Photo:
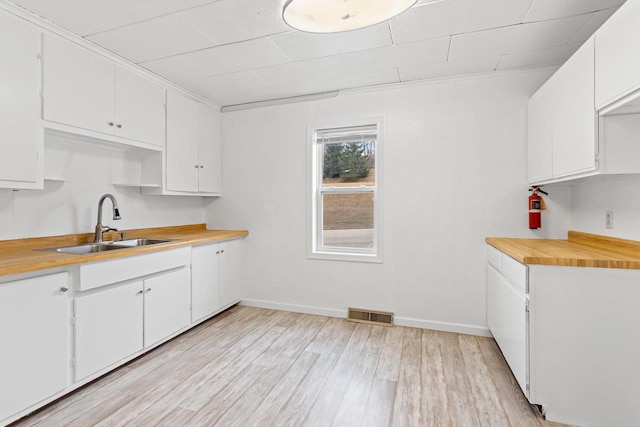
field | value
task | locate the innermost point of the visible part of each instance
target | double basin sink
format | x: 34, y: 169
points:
x: 90, y: 248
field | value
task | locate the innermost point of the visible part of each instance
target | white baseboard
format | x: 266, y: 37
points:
x: 459, y: 328
x: 319, y: 311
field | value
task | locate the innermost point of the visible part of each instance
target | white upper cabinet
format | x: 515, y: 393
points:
x: 574, y: 116
x: 617, y: 59
x: 20, y: 132
x: 562, y: 126
x: 78, y: 87
x: 182, y: 143
x: 84, y: 90
x: 139, y: 112
x: 209, y: 150
x: 539, y: 134
x: 193, y: 147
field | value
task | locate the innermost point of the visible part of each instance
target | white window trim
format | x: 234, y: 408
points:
x: 343, y: 254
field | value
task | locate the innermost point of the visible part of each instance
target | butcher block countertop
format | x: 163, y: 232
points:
x: 22, y: 255
x: 579, y: 250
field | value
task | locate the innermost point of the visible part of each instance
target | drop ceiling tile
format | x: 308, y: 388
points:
x: 154, y: 39
x: 298, y: 45
x: 85, y: 17
x: 227, y: 89
x: 448, y: 17
x: 451, y: 68
x: 398, y: 56
x: 239, y: 56
x: 346, y: 82
x: 516, y: 38
x: 232, y: 21
x: 594, y: 23
x: 299, y: 72
x: 552, y: 9
x: 538, y: 58
x: 176, y: 69
x: 80, y: 17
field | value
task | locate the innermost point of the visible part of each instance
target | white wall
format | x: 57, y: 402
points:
x: 591, y: 200
x: 71, y: 207
x: 455, y: 173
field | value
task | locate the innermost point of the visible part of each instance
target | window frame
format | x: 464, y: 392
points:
x: 314, y: 208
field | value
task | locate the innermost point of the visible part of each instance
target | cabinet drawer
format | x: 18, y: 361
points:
x: 515, y: 273
x: 495, y: 257
x: 103, y: 273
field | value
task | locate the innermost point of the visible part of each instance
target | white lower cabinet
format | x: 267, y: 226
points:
x: 108, y: 327
x: 128, y: 304
x: 231, y: 256
x: 216, y: 281
x: 167, y: 301
x: 59, y: 331
x: 205, y: 281
x: 570, y: 334
x: 508, y: 320
x: 34, y: 341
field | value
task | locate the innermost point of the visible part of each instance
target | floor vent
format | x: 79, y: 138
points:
x: 370, y: 316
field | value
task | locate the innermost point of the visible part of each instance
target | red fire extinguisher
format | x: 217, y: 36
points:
x: 535, y: 208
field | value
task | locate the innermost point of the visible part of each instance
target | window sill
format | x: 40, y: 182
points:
x: 344, y: 256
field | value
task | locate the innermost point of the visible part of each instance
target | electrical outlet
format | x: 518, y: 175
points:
x: 608, y: 219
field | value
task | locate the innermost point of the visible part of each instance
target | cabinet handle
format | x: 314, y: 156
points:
x: 197, y: 166
x: 148, y: 290
x: 139, y: 293
x: 64, y: 289
x: 201, y: 167
x: 110, y: 123
x: 118, y: 125
x: 222, y: 251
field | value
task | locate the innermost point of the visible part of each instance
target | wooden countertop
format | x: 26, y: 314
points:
x: 21, y: 255
x: 579, y: 250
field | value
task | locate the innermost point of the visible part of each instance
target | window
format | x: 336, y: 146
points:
x: 345, y: 202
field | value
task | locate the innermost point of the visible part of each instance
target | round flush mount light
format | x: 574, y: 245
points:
x: 333, y: 16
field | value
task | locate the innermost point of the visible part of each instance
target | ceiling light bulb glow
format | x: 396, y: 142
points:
x: 332, y: 16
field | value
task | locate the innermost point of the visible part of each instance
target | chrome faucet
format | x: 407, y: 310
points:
x: 116, y: 215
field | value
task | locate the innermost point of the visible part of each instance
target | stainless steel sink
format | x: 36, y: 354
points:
x: 90, y: 248
x: 85, y: 249
x: 141, y: 242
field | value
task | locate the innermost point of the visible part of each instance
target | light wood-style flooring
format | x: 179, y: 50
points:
x: 258, y: 367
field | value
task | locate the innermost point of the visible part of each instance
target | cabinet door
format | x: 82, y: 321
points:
x: 108, y: 327
x: 78, y: 87
x: 140, y: 113
x: 34, y: 332
x: 617, y: 60
x: 19, y: 103
x: 574, y: 115
x: 507, y: 319
x: 205, y: 281
x: 182, y: 143
x: 209, y: 150
x: 540, y: 136
x: 231, y: 264
x: 167, y: 302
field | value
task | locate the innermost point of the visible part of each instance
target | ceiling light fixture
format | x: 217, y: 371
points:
x: 333, y: 16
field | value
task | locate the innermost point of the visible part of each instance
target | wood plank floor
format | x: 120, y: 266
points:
x: 258, y: 367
